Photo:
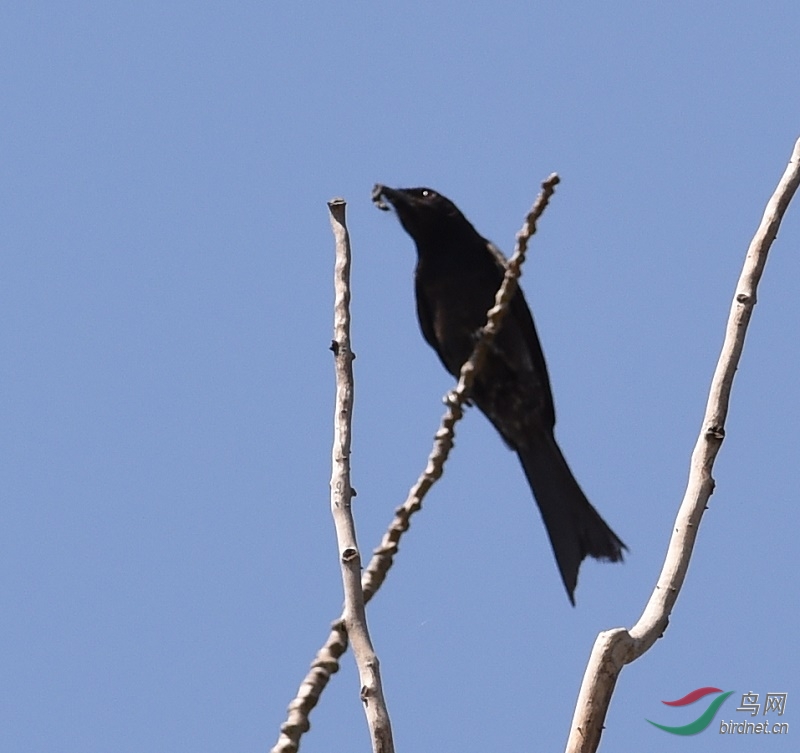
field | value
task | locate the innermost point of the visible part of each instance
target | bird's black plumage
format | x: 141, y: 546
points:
x: 457, y: 276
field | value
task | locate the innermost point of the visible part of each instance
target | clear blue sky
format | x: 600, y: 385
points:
x: 167, y: 559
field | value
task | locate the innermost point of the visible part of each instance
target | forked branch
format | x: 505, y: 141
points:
x: 613, y: 649
x: 326, y: 662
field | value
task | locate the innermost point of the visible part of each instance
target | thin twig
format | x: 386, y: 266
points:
x: 615, y: 648
x: 326, y: 662
x: 354, y: 616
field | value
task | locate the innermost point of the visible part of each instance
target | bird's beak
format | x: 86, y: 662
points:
x: 392, y: 195
x: 379, y: 193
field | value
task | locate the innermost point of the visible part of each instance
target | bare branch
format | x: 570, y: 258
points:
x: 354, y: 616
x: 615, y: 648
x: 326, y: 662
x: 353, y: 622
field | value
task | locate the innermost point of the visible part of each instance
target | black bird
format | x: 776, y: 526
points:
x: 457, y: 276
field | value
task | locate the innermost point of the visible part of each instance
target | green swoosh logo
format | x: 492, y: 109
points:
x: 699, y: 724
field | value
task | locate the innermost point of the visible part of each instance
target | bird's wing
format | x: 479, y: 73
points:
x: 518, y: 339
x: 522, y: 322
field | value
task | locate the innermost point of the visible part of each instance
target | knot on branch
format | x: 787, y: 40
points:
x: 349, y: 554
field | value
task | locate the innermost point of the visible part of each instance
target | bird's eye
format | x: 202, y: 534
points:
x: 427, y: 193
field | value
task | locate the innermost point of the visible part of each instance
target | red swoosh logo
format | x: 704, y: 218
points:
x: 692, y: 697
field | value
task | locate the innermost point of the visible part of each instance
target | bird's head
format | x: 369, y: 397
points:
x: 425, y: 214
